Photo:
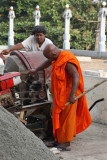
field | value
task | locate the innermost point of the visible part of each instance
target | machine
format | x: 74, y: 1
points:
x: 28, y: 97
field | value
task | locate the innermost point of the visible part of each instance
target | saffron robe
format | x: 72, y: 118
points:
x: 74, y: 118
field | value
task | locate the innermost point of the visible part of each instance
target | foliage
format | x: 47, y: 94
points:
x: 81, y: 30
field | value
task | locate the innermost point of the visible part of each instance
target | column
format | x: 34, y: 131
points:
x: 11, y: 26
x: 37, y: 15
x: 66, y: 37
x: 102, y: 36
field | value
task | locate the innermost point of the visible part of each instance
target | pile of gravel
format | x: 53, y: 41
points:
x: 19, y: 143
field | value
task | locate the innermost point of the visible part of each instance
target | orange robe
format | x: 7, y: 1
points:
x: 72, y: 119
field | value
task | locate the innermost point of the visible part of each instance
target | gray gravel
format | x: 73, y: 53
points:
x: 19, y: 143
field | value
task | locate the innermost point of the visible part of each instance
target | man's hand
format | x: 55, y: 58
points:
x: 32, y: 71
x: 5, y: 52
x: 29, y: 72
x: 72, y: 99
x: 16, y: 47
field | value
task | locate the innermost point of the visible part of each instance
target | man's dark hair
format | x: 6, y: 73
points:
x: 38, y: 29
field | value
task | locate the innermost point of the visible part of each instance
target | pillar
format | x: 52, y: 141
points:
x: 102, y: 36
x: 66, y: 37
x: 11, y: 26
x: 37, y: 15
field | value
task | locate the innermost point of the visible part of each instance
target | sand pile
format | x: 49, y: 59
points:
x: 19, y: 143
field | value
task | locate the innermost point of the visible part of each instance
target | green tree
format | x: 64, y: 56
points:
x: 82, y: 25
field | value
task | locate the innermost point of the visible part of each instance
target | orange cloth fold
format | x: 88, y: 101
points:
x: 74, y: 118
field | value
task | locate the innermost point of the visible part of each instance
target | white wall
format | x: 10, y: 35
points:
x: 99, y: 112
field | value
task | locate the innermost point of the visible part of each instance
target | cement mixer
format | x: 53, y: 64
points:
x: 30, y: 99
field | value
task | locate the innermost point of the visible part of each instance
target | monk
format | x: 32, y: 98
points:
x: 66, y: 84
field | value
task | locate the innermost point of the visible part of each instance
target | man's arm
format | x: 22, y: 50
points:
x: 72, y: 70
x: 44, y: 65
x: 16, y: 47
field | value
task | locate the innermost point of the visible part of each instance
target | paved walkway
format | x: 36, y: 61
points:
x: 88, y: 145
x: 94, y: 64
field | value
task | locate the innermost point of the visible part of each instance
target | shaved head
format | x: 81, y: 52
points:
x: 51, y: 52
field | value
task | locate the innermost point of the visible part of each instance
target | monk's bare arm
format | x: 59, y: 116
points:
x: 44, y: 65
x: 72, y: 70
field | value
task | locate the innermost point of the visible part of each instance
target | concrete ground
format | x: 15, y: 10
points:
x: 88, y: 145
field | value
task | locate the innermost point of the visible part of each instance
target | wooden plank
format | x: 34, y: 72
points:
x: 37, y: 129
x: 22, y: 120
x: 21, y: 114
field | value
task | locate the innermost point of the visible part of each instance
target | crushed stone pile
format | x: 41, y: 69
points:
x: 19, y: 143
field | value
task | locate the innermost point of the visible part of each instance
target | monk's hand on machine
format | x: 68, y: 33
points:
x: 32, y: 72
x: 72, y: 99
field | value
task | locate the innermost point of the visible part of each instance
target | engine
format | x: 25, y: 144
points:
x: 33, y: 88
x: 7, y: 82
